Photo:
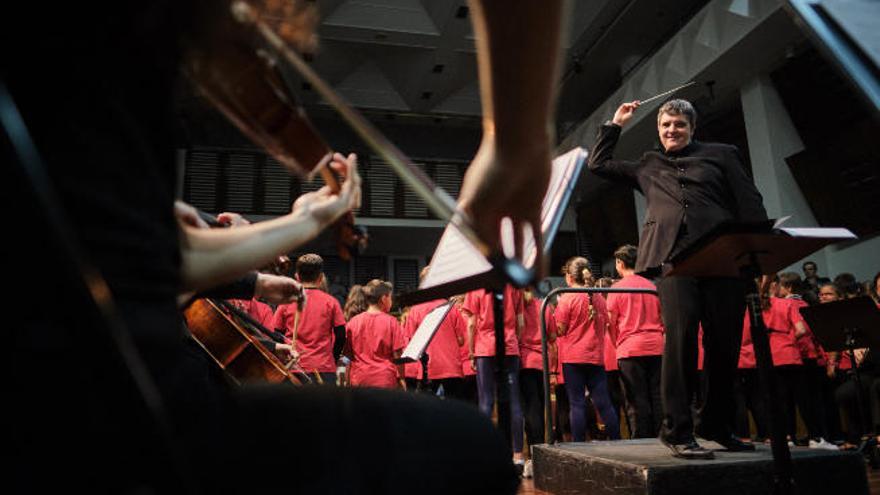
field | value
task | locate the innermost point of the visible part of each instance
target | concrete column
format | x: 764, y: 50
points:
x: 772, y: 137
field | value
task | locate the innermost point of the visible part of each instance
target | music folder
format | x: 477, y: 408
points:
x: 730, y: 247
x: 458, y: 267
x: 423, y: 335
x: 828, y: 322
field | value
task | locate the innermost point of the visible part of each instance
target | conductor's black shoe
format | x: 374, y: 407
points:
x: 733, y: 444
x: 691, y: 450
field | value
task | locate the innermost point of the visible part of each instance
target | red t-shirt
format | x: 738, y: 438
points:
x: 530, y: 341
x: 464, y: 353
x: 747, y: 349
x: 584, y: 339
x: 314, y: 338
x: 373, y: 339
x: 779, y: 320
x: 610, y: 355
x: 635, y: 319
x: 411, y: 370
x: 444, y: 352
x: 479, y: 304
x: 807, y: 343
x: 259, y: 311
x: 701, y: 354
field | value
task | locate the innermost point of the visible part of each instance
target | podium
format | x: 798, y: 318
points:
x: 747, y: 251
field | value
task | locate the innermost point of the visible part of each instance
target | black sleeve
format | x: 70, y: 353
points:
x: 749, y: 203
x: 339, y: 341
x: 602, y: 162
x: 242, y: 288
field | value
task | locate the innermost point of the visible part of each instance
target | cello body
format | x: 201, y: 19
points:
x: 232, y: 347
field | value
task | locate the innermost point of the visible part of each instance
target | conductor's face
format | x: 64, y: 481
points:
x: 675, y: 131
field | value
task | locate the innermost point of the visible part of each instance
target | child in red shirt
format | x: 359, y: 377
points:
x: 637, y: 331
x: 374, y: 339
x: 318, y: 330
x: 478, y: 308
x: 581, y: 320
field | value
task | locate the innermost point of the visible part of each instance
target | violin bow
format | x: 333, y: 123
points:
x: 436, y: 199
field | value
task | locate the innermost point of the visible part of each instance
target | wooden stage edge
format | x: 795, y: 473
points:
x: 647, y: 467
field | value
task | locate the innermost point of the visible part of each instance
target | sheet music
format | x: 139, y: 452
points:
x: 455, y: 258
x: 820, y: 232
x: 779, y: 221
x: 420, y: 340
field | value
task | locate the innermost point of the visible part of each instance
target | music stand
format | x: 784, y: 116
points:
x: 424, y: 334
x: 844, y: 326
x: 457, y: 267
x: 747, y: 251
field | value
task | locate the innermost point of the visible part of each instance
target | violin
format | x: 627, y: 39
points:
x: 241, y: 78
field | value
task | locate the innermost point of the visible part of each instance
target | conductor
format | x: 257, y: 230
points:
x: 690, y: 188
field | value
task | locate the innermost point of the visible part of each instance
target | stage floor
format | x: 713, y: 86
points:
x: 646, y: 467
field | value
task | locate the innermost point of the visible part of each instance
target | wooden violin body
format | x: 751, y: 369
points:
x: 232, y: 347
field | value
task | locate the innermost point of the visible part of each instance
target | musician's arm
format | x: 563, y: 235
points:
x: 338, y: 341
x: 241, y: 288
x: 214, y: 256
x: 518, y: 45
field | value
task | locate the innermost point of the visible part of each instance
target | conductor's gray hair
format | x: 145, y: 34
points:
x: 679, y: 107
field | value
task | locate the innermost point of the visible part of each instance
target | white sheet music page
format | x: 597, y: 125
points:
x: 820, y: 232
x: 425, y: 332
x: 455, y: 257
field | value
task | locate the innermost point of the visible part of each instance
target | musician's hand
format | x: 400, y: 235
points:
x: 510, y: 184
x: 188, y: 215
x: 326, y: 207
x: 625, y: 112
x: 277, y: 289
x: 286, y: 352
x: 232, y: 219
x: 830, y: 370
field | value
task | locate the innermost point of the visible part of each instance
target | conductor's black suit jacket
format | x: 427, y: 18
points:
x: 688, y: 192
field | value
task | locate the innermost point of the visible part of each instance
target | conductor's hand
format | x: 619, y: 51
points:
x: 508, y: 184
x: 276, y: 289
x: 625, y: 112
x: 325, y: 206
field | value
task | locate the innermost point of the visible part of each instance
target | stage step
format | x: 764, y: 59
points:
x: 646, y: 467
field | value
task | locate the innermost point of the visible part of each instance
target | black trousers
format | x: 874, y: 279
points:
x: 719, y: 304
x: 847, y: 398
x: 562, y: 421
x: 748, y: 398
x: 453, y: 388
x: 531, y: 384
x: 641, y: 386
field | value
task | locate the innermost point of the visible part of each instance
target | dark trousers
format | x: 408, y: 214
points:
x: 847, y: 398
x: 580, y: 378
x: 531, y: 383
x: 813, y: 406
x: 469, y: 390
x: 562, y: 419
x: 486, y: 393
x: 453, y: 388
x: 748, y: 398
x: 719, y: 304
x: 641, y: 385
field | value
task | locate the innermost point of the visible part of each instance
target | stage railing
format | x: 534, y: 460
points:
x: 548, y: 416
